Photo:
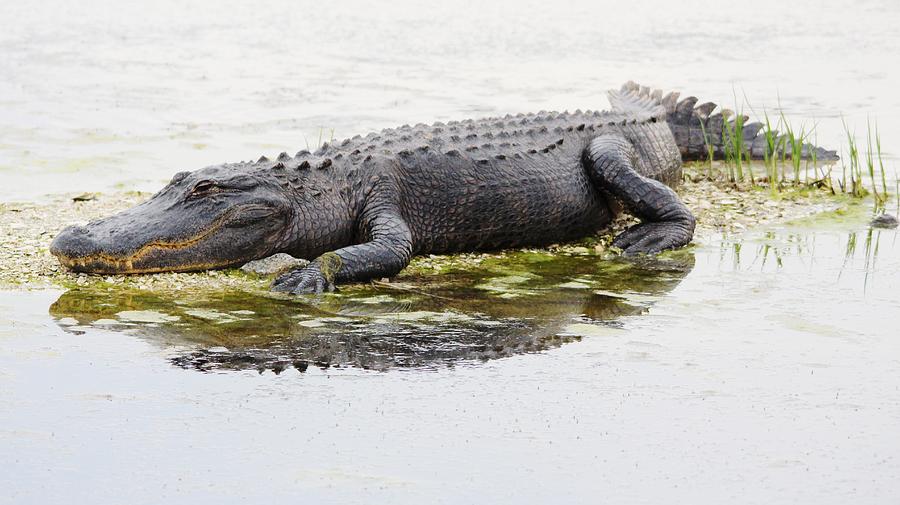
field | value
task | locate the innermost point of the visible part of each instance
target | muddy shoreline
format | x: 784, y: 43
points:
x: 26, y: 230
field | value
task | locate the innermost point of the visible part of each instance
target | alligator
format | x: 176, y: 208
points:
x: 361, y: 208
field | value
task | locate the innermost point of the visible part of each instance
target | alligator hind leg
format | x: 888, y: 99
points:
x: 666, y: 222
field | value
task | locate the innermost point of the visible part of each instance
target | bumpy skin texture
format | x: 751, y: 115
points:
x: 361, y: 208
x: 504, y: 182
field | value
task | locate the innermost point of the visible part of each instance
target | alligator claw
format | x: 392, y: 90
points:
x: 654, y: 237
x: 307, y: 280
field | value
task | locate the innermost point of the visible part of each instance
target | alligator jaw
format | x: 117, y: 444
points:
x: 96, y: 264
x: 79, y: 251
x: 108, y: 265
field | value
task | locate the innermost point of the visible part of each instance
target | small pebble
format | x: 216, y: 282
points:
x: 884, y: 221
x: 274, y: 264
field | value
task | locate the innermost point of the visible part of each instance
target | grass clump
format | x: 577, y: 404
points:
x: 854, y: 161
x: 791, y: 159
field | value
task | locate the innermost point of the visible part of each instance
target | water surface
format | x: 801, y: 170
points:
x: 101, y: 95
x: 759, y: 367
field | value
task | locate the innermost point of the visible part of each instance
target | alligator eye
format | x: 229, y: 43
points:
x: 204, y: 188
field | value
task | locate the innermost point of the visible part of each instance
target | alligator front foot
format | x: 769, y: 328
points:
x: 654, y: 237
x: 306, y: 280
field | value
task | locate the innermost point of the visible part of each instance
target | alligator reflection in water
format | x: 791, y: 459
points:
x: 523, y: 302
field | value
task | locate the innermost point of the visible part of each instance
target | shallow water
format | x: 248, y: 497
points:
x: 525, y: 302
x: 753, y: 368
x: 750, y: 368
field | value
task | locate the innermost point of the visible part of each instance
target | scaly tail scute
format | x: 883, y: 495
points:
x: 696, y: 128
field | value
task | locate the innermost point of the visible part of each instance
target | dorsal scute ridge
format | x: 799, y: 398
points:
x: 641, y: 102
x: 633, y: 104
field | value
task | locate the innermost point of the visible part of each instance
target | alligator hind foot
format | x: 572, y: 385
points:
x: 653, y: 237
x: 666, y: 221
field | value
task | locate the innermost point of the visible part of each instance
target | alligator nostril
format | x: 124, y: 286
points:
x: 73, y: 241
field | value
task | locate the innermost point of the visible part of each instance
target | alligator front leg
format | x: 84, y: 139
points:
x: 666, y: 221
x: 387, y: 251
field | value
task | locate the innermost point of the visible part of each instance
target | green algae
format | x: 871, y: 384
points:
x: 591, y: 330
x: 509, y: 285
x: 848, y: 214
x: 330, y: 265
x: 145, y: 316
x: 311, y: 323
x: 212, y: 315
x: 375, y: 299
x: 575, y: 284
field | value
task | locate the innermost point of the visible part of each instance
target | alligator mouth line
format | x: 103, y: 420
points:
x: 125, y: 265
x: 106, y: 266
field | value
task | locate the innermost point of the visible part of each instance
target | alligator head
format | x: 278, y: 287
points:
x: 215, y: 217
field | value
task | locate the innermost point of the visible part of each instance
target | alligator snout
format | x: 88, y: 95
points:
x: 79, y: 250
x: 74, y: 247
x: 73, y: 242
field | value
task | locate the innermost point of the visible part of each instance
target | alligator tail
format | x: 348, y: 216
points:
x: 699, y: 132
